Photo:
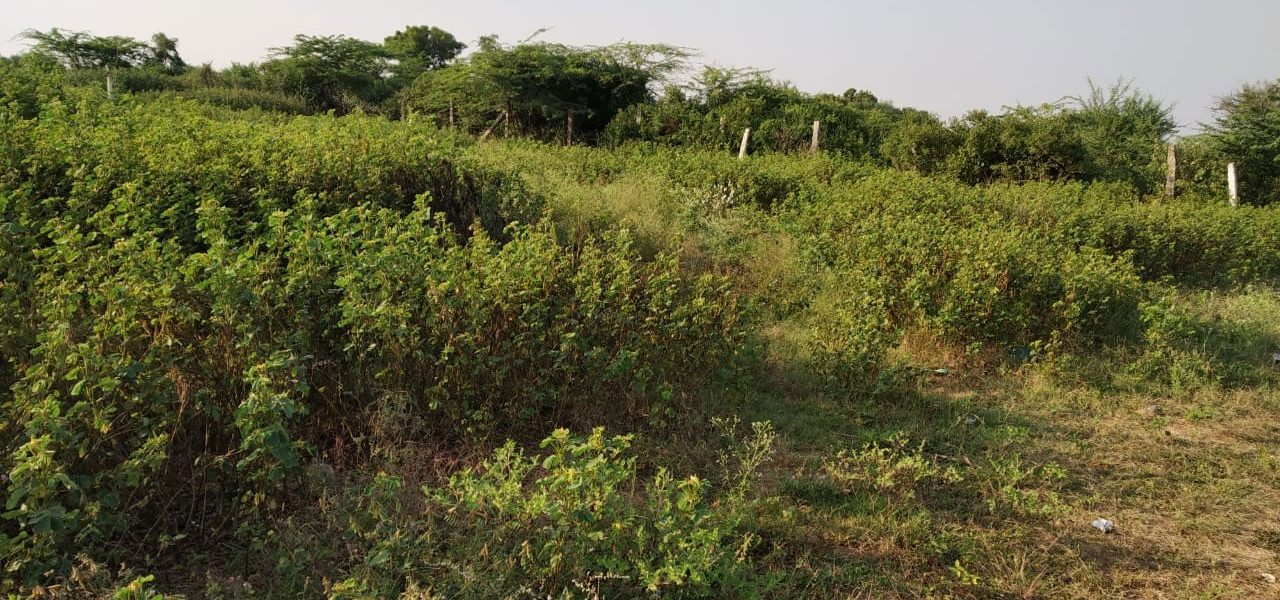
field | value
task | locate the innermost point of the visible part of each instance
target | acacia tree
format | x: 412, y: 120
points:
x: 164, y: 53
x: 419, y: 48
x: 81, y: 50
x: 535, y: 87
x: 333, y: 72
x: 1124, y: 132
x: 1246, y: 130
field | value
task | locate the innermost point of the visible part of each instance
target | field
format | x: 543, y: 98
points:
x: 245, y: 354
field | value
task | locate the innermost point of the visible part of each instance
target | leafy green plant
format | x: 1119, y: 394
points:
x: 1015, y: 487
x: 213, y: 297
x: 575, y: 521
x: 892, y: 467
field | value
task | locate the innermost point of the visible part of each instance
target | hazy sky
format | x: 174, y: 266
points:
x: 946, y: 56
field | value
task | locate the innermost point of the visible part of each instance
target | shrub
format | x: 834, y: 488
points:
x: 851, y: 333
x: 175, y: 154
x: 249, y: 99
x: 947, y: 262
x: 484, y: 332
x: 1192, y: 240
x: 142, y: 362
x: 1194, y: 243
x: 26, y: 84
x: 576, y: 521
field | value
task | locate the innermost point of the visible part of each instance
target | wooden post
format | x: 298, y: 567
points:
x: 1232, y: 187
x: 1171, y: 176
x: 813, y: 144
x: 569, y: 130
x: 742, y: 149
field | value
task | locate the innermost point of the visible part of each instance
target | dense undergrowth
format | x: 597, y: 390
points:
x: 257, y: 354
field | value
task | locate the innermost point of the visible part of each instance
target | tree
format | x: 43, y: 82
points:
x: 164, y: 53
x: 420, y: 48
x: 535, y: 87
x: 860, y: 98
x: 1246, y: 130
x: 81, y: 50
x: 714, y: 108
x: 719, y: 85
x: 1124, y: 133
x: 919, y: 143
x: 332, y: 72
x: 1021, y: 144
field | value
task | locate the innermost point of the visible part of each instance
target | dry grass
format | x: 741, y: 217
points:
x: 1190, y: 476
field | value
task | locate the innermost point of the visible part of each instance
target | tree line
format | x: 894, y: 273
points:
x: 628, y: 92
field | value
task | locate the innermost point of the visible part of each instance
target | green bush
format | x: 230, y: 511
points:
x: 526, y: 328
x: 190, y: 294
x: 26, y: 84
x: 1191, y: 242
x: 948, y: 262
x: 178, y: 153
x: 851, y: 332
x: 138, y: 346
x: 578, y: 521
x: 248, y: 99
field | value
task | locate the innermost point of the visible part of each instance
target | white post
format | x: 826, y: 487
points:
x: 1232, y: 186
x: 742, y: 149
x: 110, y: 88
x: 813, y: 145
x: 1171, y: 177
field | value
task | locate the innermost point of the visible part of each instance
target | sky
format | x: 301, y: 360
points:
x: 945, y: 56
